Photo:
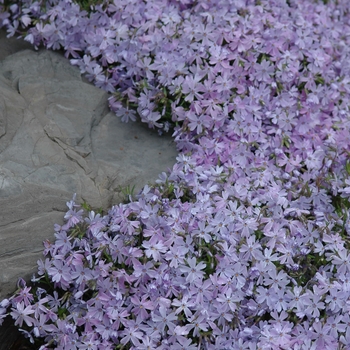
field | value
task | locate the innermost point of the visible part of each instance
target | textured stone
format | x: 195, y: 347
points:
x: 57, y: 138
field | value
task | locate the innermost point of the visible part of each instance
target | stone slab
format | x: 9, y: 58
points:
x: 57, y: 138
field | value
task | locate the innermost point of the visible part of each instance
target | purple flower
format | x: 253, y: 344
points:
x: 140, y: 307
x: 263, y: 71
x: 60, y: 272
x: 184, y: 305
x: 229, y: 300
x: 193, y: 271
x: 154, y: 247
x: 258, y: 97
x: 21, y: 314
x: 192, y: 87
x: 312, y: 304
x: 203, y: 232
x: 341, y: 260
x: 164, y: 319
x: 276, y: 280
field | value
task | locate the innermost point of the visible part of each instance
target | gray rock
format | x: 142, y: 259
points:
x: 57, y: 138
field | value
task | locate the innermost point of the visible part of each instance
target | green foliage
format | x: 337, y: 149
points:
x: 86, y: 4
x: 87, y: 207
x: 128, y: 192
x: 347, y: 167
x: 342, y: 208
x: 79, y: 230
x: 309, y: 265
x: 319, y: 79
x: 263, y: 57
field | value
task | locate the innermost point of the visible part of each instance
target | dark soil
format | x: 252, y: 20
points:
x: 11, y: 338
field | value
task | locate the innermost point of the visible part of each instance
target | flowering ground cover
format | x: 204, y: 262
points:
x: 245, y: 243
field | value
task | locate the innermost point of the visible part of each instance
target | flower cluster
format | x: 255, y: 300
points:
x: 244, y: 244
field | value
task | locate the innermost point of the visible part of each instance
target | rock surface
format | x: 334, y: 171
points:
x: 57, y: 138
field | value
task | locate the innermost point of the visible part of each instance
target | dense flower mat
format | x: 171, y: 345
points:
x: 244, y: 244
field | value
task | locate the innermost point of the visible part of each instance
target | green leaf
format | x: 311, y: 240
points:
x: 347, y: 167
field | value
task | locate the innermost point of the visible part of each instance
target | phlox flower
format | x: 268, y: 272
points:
x: 178, y: 333
x: 336, y: 299
x: 193, y: 270
x: 105, y: 83
x: 222, y: 315
x: 26, y: 20
x: 282, y: 336
x: 223, y: 82
x: 131, y: 333
x: 263, y: 71
x: 198, y: 324
x: 192, y: 87
x: 81, y: 274
x: 3, y: 314
x: 281, y: 300
x: 336, y: 326
x: 341, y: 260
x: 312, y: 304
x: 152, y: 120
x: 148, y: 343
x: 63, y: 241
x: 251, y: 248
x: 195, y: 122
x: 229, y: 300
x: 73, y: 217
x: 276, y: 280
x: 154, y: 247
x: 202, y: 291
x: 41, y: 326
x: 140, y: 306
x: 323, y: 340
x: 165, y: 319
x: 85, y: 343
x: 60, y: 272
x: 176, y: 255
x: 24, y: 295
x: 106, y: 328
x: 203, y: 231
x: 40, y: 307
x: 184, y: 305
x: 143, y: 270
x: 247, y: 226
x: 346, y: 189
x: 286, y: 254
x: 107, y: 37
x: 118, y: 314
x: 20, y: 314
x: 268, y: 257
